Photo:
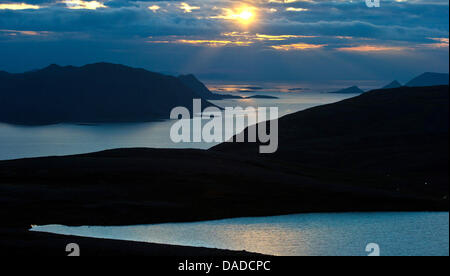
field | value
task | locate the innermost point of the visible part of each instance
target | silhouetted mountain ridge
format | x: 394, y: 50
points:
x: 349, y: 90
x: 429, y: 79
x: 423, y: 80
x: 93, y: 93
x: 400, y: 132
x: 393, y: 84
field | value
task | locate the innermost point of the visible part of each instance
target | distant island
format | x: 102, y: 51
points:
x: 424, y: 80
x: 261, y: 97
x: 349, y: 90
x: 95, y: 93
x: 429, y: 79
x: 298, y: 89
x: 393, y: 84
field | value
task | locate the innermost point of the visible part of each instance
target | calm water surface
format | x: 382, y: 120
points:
x: 63, y: 139
x: 405, y: 234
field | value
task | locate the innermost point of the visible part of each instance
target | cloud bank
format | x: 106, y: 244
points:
x: 229, y: 39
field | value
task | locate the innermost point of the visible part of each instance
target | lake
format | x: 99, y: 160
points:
x: 65, y: 139
x: 338, y: 234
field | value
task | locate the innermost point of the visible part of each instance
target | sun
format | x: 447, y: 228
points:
x: 244, y: 15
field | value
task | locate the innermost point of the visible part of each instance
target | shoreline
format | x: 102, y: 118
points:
x: 16, y: 241
x: 20, y: 242
x: 49, y: 242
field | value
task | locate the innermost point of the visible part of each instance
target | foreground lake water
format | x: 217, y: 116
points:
x: 343, y: 234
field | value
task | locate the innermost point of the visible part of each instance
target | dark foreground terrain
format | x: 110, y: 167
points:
x: 386, y: 150
x: 397, y: 137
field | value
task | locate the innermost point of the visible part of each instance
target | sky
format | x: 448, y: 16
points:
x: 229, y: 40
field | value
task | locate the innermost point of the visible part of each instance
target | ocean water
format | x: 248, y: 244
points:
x: 340, y: 234
x: 64, y: 139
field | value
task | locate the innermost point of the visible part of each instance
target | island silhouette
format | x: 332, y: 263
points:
x: 94, y: 93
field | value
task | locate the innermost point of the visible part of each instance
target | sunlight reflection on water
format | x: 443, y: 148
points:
x: 294, y: 235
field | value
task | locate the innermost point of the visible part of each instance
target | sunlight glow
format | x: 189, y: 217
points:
x: 27, y: 33
x: 441, y: 43
x: 188, y: 8
x: 18, y: 6
x: 244, y: 15
x: 214, y: 43
x: 371, y: 48
x: 83, y: 5
x: 298, y: 47
x: 154, y: 8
